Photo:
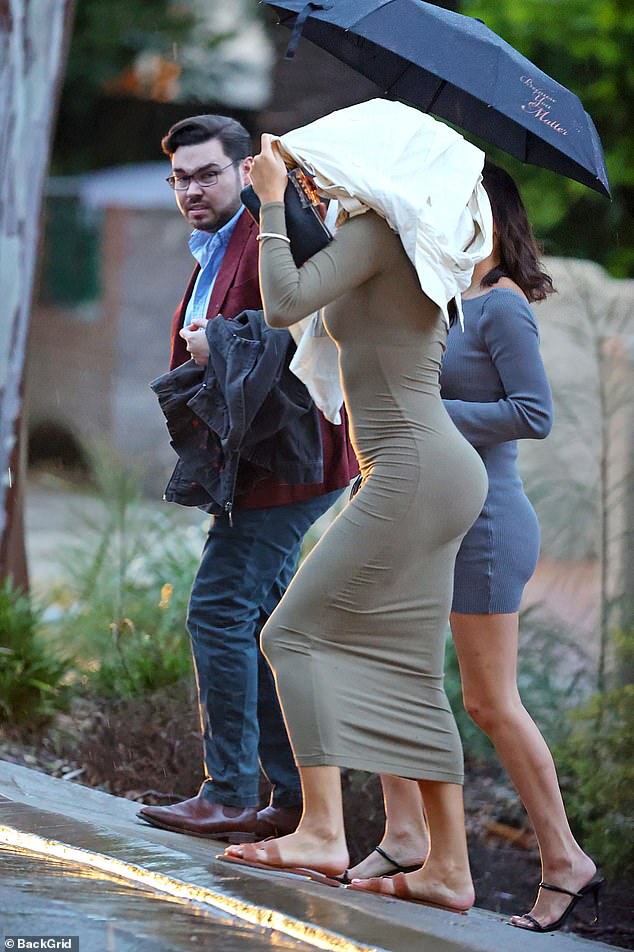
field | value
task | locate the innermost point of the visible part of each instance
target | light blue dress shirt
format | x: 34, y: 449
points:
x: 208, y: 248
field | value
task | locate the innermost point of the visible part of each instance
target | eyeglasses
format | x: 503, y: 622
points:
x: 203, y: 177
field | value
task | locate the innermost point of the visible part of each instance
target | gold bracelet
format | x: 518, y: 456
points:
x: 272, y: 234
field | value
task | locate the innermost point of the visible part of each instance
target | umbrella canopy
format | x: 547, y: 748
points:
x: 458, y: 69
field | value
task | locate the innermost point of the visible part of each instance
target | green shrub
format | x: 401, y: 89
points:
x: 139, y: 663
x: 596, y: 764
x: 31, y: 676
x: 128, y: 583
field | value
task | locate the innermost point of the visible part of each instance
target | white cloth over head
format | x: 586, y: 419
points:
x: 417, y: 173
x: 424, y: 178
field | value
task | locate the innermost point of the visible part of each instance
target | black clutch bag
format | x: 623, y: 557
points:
x: 304, y: 225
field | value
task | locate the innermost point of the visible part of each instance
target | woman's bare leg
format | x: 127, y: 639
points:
x: 319, y: 841
x: 486, y: 646
x: 405, y: 837
x: 445, y: 879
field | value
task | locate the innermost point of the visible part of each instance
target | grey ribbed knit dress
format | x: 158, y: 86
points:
x: 495, y: 389
x: 357, y: 642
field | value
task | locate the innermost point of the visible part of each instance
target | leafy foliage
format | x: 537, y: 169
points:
x: 31, y: 676
x: 597, y: 766
x: 128, y: 584
x: 588, y: 47
x: 127, y: 49
x: 107, y: 37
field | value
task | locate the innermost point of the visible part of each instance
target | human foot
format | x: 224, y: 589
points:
x: 558, y: 894
x: 384, y: 862
x: 298, y: 850
x: 456, y: 896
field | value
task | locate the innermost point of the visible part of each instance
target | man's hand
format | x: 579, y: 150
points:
x: 196, y: 339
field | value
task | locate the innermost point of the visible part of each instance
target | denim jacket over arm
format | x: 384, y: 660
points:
x: 243, y: 416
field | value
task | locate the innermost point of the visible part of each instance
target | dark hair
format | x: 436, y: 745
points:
x: 234, y: 138
x: 519, y: 251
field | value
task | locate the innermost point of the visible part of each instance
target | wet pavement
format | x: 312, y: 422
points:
x: 42, y: 896
x: 141, y: 887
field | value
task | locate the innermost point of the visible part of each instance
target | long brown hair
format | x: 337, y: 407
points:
x: 519, y: 251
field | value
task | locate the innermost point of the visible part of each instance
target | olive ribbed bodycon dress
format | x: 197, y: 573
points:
x: 357, y: 642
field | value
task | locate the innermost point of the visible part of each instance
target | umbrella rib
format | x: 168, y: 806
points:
x: 431, y: 104
x: 441, y: 87
x: 366, y: 16
x: 398, y: 78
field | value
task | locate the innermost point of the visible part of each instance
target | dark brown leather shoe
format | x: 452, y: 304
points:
x: 201, y: 817
x: 277, y: 821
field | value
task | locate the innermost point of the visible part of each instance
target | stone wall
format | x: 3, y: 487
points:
x: 89, y: 366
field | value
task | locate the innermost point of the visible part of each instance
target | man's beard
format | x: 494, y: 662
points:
x: 213, y: 226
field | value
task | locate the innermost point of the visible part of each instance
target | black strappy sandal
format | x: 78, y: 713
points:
x: 590, y: 889
x: 345, y: 879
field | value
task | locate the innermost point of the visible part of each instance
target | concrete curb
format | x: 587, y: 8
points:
x: 180, y: 889
x: 96, y: 830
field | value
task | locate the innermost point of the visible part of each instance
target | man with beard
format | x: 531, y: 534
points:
x: 250, y: 554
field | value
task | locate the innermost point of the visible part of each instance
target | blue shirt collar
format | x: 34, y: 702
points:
x: 203, y: 244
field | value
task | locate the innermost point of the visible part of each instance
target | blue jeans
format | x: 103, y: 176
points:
x: 244, y: 571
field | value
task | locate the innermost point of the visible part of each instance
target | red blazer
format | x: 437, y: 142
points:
x: 237, y: 288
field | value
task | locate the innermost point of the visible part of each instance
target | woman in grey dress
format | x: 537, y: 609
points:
x: 495, y: 389
x: 357, y: 644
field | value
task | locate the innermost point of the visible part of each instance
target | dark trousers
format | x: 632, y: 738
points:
x: 244, y: 571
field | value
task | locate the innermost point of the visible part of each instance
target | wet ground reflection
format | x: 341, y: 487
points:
x: 45, y: 896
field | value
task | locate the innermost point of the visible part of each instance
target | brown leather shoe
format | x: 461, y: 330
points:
x: 277, y: 821
x: 201, y: 817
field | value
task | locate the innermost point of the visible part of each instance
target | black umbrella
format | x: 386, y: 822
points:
x: 458, y: 69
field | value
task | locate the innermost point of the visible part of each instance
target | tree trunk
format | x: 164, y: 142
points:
x: 33, y: 42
